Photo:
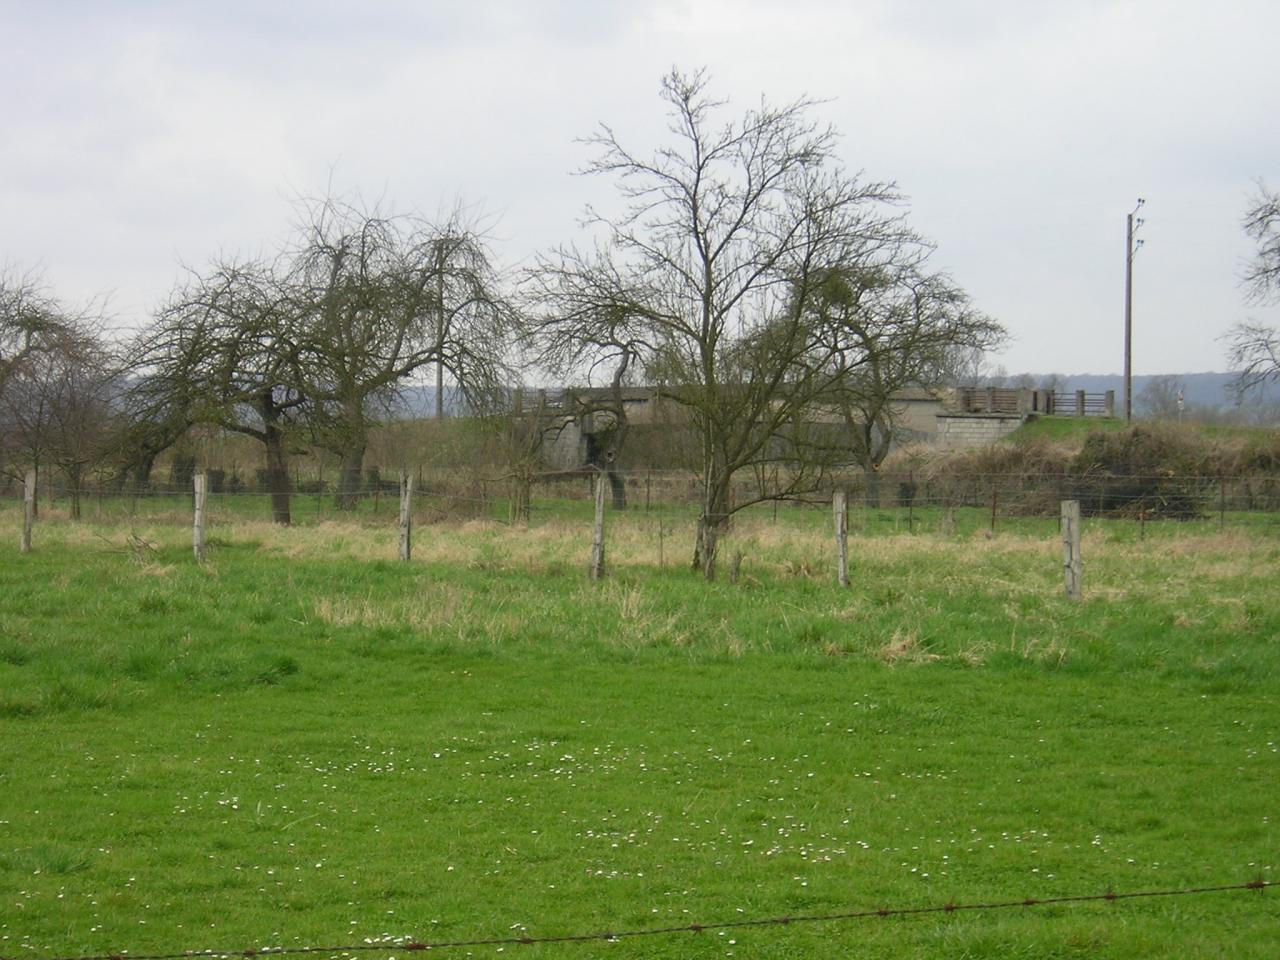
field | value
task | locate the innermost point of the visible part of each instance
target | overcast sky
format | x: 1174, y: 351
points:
x: 141, y: 135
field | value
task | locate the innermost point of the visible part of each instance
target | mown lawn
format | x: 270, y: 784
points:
x: 305, y: 742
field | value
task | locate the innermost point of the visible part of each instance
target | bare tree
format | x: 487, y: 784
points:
x: 972, y: 367
x: 225, y: 351
x: 25, y: 416
x: 57, y: 381
x: 521, y: 435
x: 378, y: 299
x: 60, y: 409
x: 1162, y: 398
x: 1253, y: 353
x: 1253, y: 349
x: 323, y: 338
x: 708, y: 266
x: 603, y: 344
x: 1262, y: 224
x: 82, y: 386
x: 29, y: 318
x: 886, y: 330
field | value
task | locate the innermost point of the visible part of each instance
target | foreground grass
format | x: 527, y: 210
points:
x: 304, y: 742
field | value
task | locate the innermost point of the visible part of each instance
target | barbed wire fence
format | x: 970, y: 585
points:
x: 666, y: 504
x: 613, y: 936
x: 460, y: 492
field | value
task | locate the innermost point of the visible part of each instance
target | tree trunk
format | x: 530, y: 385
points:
x: 710, y: 544
x: 278, y: 477
x: 142, y: 468
x: 521, y: 497
x: 712, y: 522
x: 872, y: 476
x: 347, y: 496
x: 618, y: 487
x: 272, y: 438
x: 354, y: 441
x: 74, y: 491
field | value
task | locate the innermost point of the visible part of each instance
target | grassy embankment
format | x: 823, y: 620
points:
x: 305, y: 742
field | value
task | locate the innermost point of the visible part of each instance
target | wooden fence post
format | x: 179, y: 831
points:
x: 735, y: 567
x: 406, y: 514
x: 947, y: 527
x: 840, y: 507
x: 28, y: 509
x: 1072, y: 562
x: 201, y: 481
x: 911, y: 501
x: 597, y: 532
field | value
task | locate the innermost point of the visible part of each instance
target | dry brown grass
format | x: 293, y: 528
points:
x: 1169, y: 569
x: 904, y: 647
x: 441, y: 605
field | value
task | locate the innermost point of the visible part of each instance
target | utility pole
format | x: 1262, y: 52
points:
x: 440, y: 265
x: 1130, y: 248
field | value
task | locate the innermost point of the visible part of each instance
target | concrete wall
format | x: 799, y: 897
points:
x: 956, y: 431
x: 918, y: 416
x: 920, y: 419
x: 562, y: 447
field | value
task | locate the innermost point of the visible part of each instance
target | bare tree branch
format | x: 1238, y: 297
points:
x: 704, y: 284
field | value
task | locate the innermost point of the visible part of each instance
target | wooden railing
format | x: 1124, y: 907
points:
x: 1022, y: 401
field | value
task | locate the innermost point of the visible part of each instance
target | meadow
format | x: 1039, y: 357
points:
x: 303, y: 741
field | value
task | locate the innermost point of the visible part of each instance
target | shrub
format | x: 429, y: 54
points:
x: 1159, y: 471
x: 1028, y: 476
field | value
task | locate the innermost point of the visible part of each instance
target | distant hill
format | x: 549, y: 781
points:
x: 1211, y: 390
x: 419, y: 400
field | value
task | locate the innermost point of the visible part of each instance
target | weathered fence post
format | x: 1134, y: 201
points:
x: 948, y: 525
x: 28, y: 509
x: 840, y: 507
x: 201, y: 481
x: 406, y: 514
x: 1072, y: 562
x: 911, y: 501
x: 597, y: 532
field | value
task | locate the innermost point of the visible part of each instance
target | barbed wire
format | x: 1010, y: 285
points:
x: 413, y: 945
x: 957, y: 494
x: 388, y: 480
x: 1244, y: 500
x: 1032, y: 505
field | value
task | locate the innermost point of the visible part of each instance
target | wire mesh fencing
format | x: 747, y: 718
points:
x: 890, y: 503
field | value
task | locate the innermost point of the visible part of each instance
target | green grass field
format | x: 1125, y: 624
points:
x: 306, y: 742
